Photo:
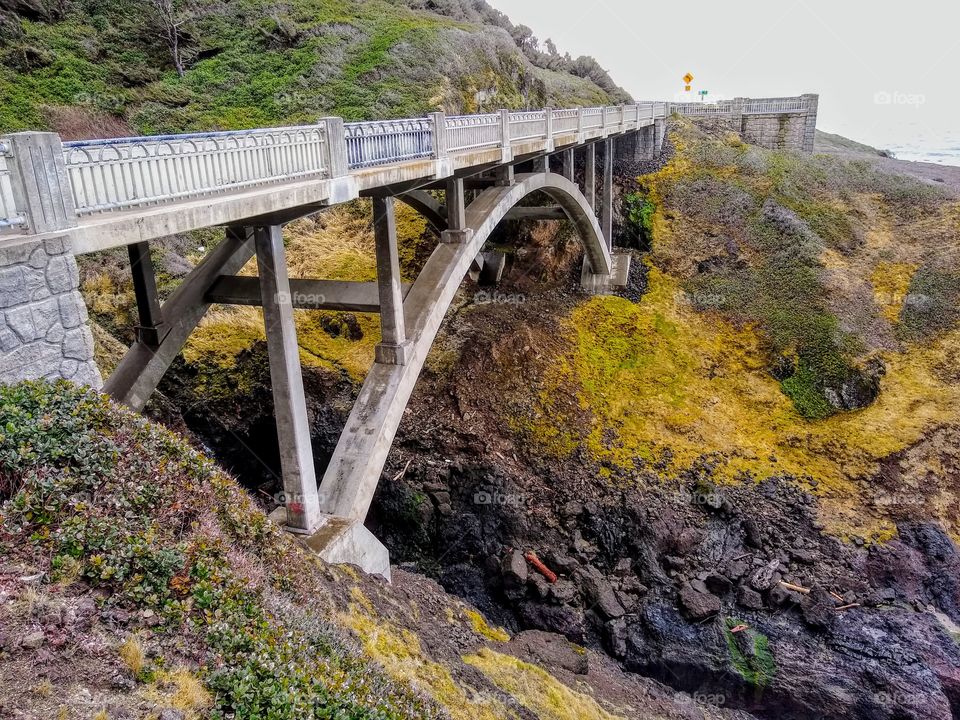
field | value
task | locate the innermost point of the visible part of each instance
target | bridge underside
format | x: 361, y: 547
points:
x: 330, y: 513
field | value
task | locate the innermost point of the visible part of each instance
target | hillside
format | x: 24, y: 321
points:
x: 138, y: 580
x: 87, y: 68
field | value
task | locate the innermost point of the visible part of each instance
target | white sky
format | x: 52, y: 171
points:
x: 848, y: 51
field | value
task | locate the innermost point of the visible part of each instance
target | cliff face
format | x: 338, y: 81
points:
x: 92, y: 69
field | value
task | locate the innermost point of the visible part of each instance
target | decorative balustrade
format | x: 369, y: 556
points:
x: 99, y: 176
x: 472, y: 132
x: 774, y: 105
x: 565, y: 121
x: 528, y: 125
x: 592, y: 118
x: 387, y: 141
x: 109, y: 175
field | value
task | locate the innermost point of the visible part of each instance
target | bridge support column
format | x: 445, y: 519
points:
x: 393, y: 346
x: 541, y: 164
x: 590, y: 174
x: 456, y: 231
x: 289, y: 401
x: 606, y: 208
x: 152, y: 329
x: 568, y: 164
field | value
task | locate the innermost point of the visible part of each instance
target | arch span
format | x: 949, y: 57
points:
x: 351, y: 477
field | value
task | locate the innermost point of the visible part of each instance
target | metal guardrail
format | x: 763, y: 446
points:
x: 110, y: 175
x: 10, y: 218
x: 385, y: 141
x: 103, y: 176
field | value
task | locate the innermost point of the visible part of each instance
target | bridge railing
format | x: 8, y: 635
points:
x: 528, y: 125
x: 565, y: 121
x: 101, y: 176
x: 124, y: 173
x: 472, y: 132
x: 774, y: 105
x: 385, y: 141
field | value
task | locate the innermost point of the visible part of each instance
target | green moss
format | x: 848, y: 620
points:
x: 806, y: 392
x: 750, y: 654
x: 639, y: 211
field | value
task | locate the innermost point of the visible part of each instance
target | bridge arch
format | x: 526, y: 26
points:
x: 353, y: 473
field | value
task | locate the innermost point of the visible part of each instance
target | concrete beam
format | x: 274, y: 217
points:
x: 286, y: 379
x: 139, y: 372
x: 606, y: 207
x: 152, y: 329
x: 568, y: 164
x: 305, y: 294
x: 393, y: 346
x: 590, y: 174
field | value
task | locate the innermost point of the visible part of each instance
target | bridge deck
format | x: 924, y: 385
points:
x: 110, y: 193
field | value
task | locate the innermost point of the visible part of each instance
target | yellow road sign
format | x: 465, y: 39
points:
x: 687, y: 88
x: 687, y: 79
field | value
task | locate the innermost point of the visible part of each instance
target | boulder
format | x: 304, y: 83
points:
x: 698, y: 605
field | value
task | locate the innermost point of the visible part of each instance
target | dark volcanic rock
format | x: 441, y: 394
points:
x: 697, y: 604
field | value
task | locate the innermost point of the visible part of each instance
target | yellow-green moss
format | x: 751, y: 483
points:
x: 537, y: 690
x: 400, y: 653
x: 482, y: 627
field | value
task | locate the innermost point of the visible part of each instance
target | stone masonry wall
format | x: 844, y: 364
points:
x: 775, y: 132
x: 43, y: 320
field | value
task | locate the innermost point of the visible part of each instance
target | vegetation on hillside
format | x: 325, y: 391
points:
x: 89, y: 68
x: 801, y: 318
x: 100, y: 496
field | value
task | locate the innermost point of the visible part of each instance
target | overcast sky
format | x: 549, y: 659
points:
x: 886, y: 72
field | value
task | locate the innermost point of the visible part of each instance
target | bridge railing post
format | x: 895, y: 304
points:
x: 438, y: 124
x: 40, y: 186
x: 506, y: 154
x: 603, y: 124
x: 579, y: 124
x: 548, y: 128
x: 335, y: 162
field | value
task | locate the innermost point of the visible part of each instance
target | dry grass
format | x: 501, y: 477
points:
x: 133, y: 654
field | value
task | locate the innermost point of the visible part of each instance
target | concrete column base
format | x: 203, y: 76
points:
x: 456, y: 236
x: 392, y: 354
x: 605, y: 284
x: 342, y: 541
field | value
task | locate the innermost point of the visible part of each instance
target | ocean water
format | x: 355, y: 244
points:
x: 942, y: 148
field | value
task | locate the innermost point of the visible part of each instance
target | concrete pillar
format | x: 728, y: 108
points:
x: 336, y: 147
x: 38, y: 180
x: 504, y: 176
x: 606, y: 209
x: 541, y: 164
x: 393, y: 346
x: 152, y: 329
x: 438, y: 123
x: 506, y: 147
x: 590, y: 174
x: 289, y: 402
x: 811, y: 103
x: 456, y: 204
x: 568, y: 164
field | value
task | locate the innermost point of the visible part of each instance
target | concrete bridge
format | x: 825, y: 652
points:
x: 60, y: 199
